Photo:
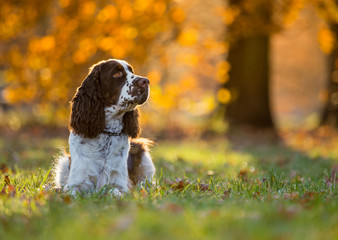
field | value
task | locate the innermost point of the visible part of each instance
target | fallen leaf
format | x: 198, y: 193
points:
x: 204, y: 187
x: 256, y: 194
x: 67, y: 199
x: 143, y: 192
x: 243, y: 175
x: 7, y: 180
x: 291, y: 196
x: 11, y: 190
x: 307, y: 197
x: 178, y: 184
x: 259, y: 182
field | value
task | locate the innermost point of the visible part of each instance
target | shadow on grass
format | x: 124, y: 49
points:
x: 252, y: 155
x: 233, y: 157
x: 29, y: 150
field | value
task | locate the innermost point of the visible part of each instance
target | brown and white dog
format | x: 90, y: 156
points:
x: 103, y: 144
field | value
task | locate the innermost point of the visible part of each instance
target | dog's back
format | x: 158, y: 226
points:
x: 140, y: 164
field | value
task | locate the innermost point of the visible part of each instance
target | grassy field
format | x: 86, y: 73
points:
x: 215, y: 189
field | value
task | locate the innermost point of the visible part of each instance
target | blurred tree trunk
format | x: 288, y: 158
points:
x: 330, y: 113
x: 249, y: 82
x: 249, y: 75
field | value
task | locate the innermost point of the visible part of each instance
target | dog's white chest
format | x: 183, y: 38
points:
x: 104, y: 158
x: 115, y: 151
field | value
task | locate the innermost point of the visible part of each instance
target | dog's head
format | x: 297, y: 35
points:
x: 120, y: 85
x: 109, y: 83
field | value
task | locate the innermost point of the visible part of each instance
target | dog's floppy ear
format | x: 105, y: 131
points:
x: 130, y: 124
x: 87, y: 117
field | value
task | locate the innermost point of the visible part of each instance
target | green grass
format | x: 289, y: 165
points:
x: 203, y: 190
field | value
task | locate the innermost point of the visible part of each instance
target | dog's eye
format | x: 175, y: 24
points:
x: 118, y: 74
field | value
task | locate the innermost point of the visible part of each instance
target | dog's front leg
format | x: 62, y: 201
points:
x: 119, y: 178
x: 80, y: 180
x: 84, y: 169
x: 116, y: 163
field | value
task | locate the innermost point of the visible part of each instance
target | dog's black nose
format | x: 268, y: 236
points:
x: 142, y: 82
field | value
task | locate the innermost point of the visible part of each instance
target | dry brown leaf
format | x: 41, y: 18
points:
x: 307, y: 198
x: 243, y: 175
x: 204, y: 187
x: 259, y: 182
x: 67, y: 199
x: 11, y: 190
x: 291, y: 196
x: 143, y: 192
x: 178, y: 184
x: 7, y: 180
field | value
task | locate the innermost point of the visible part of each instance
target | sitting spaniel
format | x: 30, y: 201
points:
x: 103, y: 144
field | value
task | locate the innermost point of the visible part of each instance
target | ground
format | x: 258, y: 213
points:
x: 224, y: 188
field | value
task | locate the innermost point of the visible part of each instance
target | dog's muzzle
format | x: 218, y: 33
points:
x: 142, y: 86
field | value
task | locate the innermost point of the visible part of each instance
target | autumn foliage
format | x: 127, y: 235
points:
x: 49, y: 45
x: 181, y: 46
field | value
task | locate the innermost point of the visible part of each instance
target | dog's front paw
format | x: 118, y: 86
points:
x: 72, y: 191
x: 115, y: 192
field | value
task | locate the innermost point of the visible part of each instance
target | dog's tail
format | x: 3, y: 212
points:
x: 61, y: 169
x: 140, y: 164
